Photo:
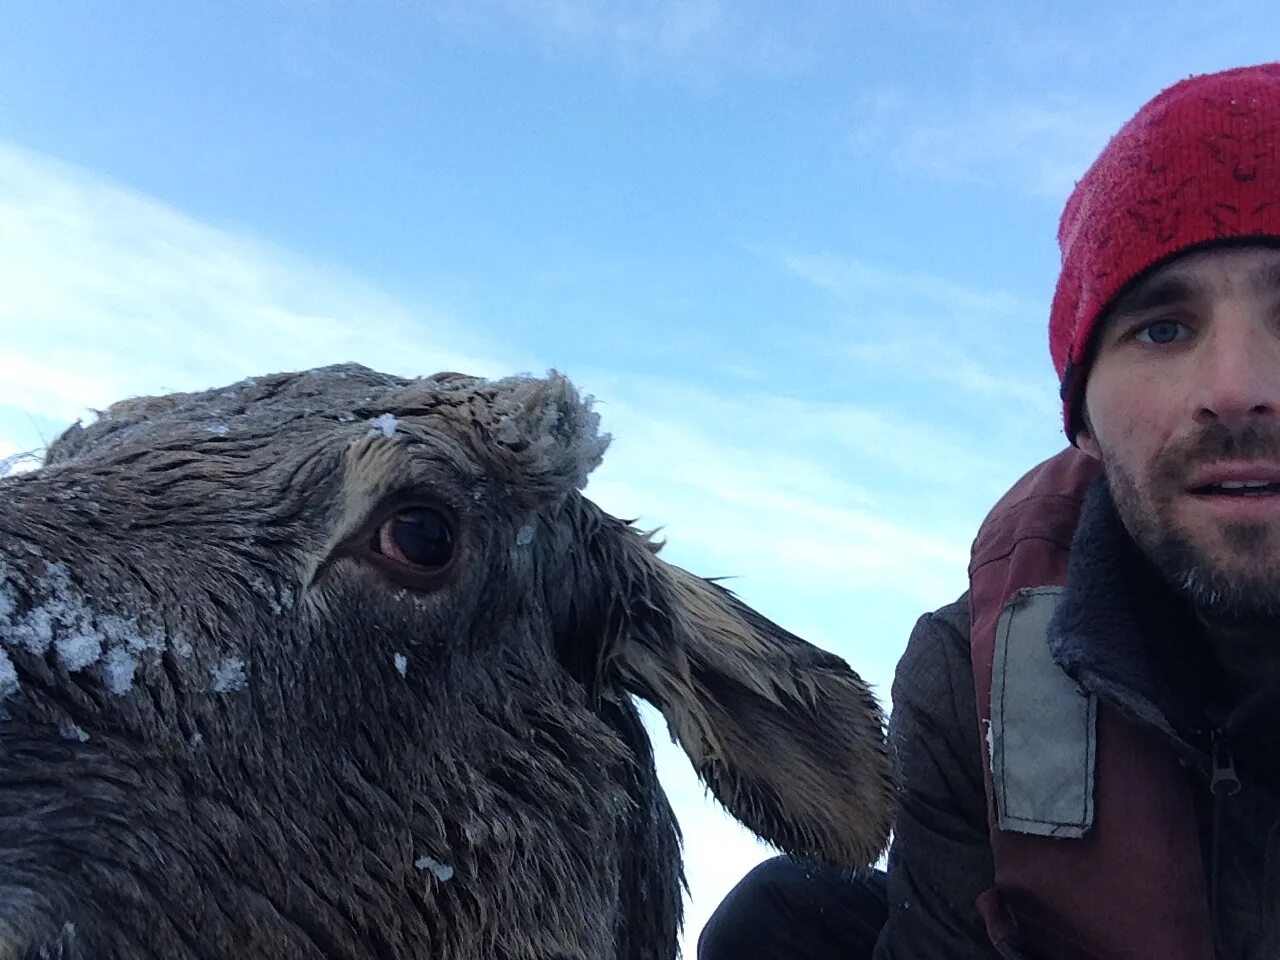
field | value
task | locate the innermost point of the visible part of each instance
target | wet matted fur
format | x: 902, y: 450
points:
x: 235, y: 727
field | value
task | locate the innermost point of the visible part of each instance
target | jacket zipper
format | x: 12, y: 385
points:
x: 1222, y: 784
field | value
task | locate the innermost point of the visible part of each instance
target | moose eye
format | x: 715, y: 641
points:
x: 419, y: 537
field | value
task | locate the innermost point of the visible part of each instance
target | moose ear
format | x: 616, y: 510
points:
x: 784, y: 734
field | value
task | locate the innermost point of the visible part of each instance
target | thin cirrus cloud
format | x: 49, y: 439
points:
x: 924, y: 359
x: 1037, y: 146
x: 853, y: 278
x: 110, y: 294
x: 669, y: 35
x: 927, y: 329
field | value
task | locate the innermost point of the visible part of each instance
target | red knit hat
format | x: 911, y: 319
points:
x: 1199, y: 163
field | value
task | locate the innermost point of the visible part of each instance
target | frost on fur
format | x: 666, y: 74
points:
x: 343, y: 662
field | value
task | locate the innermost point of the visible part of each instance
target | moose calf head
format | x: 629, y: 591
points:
x: 337, y: 664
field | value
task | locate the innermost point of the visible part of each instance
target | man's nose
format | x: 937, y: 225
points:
x: 1239, y: 372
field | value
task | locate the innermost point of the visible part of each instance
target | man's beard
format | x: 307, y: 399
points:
x: 1235, y: 584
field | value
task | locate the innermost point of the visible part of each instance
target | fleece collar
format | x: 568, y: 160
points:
x: 1123, y: 633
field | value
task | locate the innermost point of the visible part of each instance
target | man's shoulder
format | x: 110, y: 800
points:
x: 946, y: 627
x: 935, y: 667
x: 953, y: 617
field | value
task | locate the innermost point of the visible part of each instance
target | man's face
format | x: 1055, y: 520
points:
x: 1183, y: 410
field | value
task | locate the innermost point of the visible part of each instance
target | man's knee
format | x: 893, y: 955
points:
x: 787, y: 909
x: 748, y: 917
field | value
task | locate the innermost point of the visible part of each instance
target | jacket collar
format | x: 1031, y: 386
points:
x: 1123, y: 633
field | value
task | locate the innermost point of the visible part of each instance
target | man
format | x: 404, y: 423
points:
x: 1088, y: 741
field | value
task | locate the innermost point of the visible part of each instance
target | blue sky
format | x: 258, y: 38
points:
x: 801, y: 252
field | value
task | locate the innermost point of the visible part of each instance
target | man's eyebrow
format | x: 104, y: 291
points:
x: 1162, y: 292
x: 1266, y: 279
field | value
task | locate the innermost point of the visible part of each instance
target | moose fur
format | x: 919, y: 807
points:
x: 235, y: 727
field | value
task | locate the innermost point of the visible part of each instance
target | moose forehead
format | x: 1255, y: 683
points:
x: 537, y: 431
x: 274, y: 475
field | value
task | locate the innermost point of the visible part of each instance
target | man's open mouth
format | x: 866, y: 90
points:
x: 1239, y: 488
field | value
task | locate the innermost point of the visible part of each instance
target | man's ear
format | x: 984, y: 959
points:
x: 1086, y: 442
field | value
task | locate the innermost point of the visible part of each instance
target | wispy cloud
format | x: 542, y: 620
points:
x: 666, y: 28
x: 924, y: 359
x: 916, y: 306
x: 681, y: 35
x: 1038, y: 147
x: 977, y: 344
x: 108, y: 293
x: 853, y: 278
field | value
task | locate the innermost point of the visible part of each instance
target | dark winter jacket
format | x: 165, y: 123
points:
x: 1122, y: 634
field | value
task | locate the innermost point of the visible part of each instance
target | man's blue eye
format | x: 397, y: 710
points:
x: 1162, y: 331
